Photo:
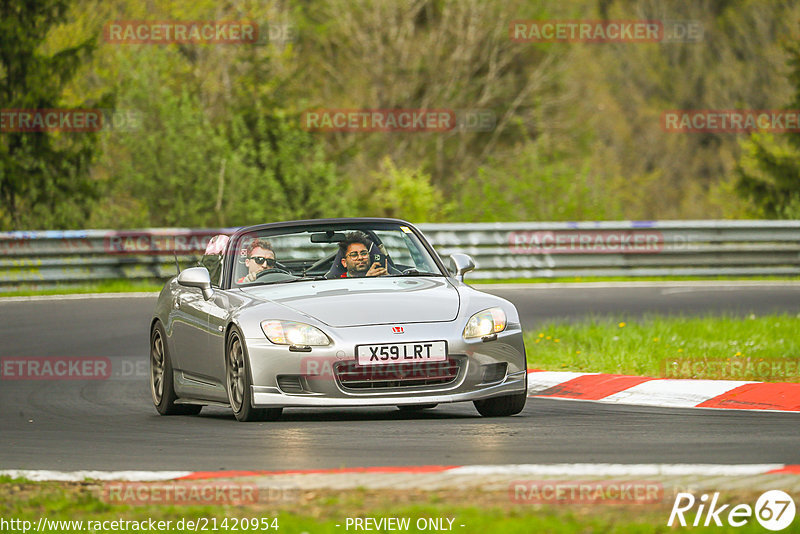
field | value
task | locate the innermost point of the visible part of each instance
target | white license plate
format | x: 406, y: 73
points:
x: 423, y: 351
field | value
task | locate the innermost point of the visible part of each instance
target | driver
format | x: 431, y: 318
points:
x: 260, y: 257
x: 355, y: 257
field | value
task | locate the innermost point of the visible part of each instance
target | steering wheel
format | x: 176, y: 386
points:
x: 259, y: 274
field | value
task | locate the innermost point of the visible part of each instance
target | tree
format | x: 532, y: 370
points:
x: 428, y: 54
x: 186, y: 165
x: 769, y: 169
x: 402, y: 193
x: 44, y: 179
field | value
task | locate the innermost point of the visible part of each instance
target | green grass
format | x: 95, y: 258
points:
x: 645, y: 346
x: 109, y: 286
x: 320, y: 511
x: 590, y: 279
x: 129, y: 286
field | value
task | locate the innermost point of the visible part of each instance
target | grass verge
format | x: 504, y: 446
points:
x: 324, y: 511
x: 130, y: 286
x: 765, y: 348
x: 109, y: 286
x: 590, y: 279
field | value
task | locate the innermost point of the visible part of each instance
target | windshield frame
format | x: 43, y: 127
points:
x: 321, y: 225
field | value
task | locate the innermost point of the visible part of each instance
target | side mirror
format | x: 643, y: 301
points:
x: 461, y: 264
x: 197, y: 277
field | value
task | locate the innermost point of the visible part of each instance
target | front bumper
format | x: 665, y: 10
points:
x: 282, y: 378
x: 272, y: 397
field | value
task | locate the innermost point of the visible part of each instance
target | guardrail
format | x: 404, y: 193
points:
x: 500, y: 250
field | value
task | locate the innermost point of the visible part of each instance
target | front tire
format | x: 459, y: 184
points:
x: 503, y: 406
x: 162, y: 385
x: 239, y: 383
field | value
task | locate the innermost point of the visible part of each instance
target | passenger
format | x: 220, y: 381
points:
x: 260, y: 257
x: 355, y: 257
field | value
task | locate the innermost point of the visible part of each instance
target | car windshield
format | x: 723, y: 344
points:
x: 290, y: 254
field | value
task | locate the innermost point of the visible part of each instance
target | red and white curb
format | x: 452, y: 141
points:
x: 594, y: 470
x: 665, y: 392
x: 756, y: 477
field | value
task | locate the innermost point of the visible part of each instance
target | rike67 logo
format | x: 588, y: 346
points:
x: 774, y: 510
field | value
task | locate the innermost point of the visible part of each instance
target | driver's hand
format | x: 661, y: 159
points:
x: 378, y: 270
x: 251, y: 277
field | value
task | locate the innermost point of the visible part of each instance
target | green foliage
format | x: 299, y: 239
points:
x: 769, y: 169
x: 534, y: 182
x: 44, y: 178
x: 167, y: 168
x: 577, y: 136
x: 279, y: 172
x: 769, y: 176
x: 402, y: 193
x: 180, y: 167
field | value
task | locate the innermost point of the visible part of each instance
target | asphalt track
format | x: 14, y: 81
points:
x: 111, y: 424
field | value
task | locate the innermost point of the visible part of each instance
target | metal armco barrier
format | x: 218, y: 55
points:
x: 500, y: 250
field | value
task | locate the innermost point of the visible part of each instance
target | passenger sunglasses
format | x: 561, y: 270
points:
x: 260, y: 260
x: 362, y: 253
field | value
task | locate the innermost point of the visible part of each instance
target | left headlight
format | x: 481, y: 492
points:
x: 485, y: 323
x: 292, y: 333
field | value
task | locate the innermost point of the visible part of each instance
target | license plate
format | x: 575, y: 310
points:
x: 423, y: 351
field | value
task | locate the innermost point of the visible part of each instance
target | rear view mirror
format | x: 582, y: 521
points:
x: 327, y: 237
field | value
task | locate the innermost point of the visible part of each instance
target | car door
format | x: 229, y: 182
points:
x: 219, y: 307
x: 201, y: 353
x: 189, y: 329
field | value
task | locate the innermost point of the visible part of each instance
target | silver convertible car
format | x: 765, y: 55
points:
x: 332, y: 313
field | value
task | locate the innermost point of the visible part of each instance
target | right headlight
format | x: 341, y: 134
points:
x: 294, y: 333
x: 485, y: 323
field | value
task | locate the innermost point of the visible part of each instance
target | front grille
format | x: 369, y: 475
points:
x: 353, y: 376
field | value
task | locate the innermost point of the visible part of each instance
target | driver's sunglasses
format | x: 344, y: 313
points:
x: 362, y: 253
x: 260, y: 260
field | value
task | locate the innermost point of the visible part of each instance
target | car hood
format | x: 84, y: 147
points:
x: 366, y: 301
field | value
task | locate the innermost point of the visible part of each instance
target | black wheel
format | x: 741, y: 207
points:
x: 416, y: 407
x: 162, y: 386
x: 503, y: 406
x: 239, y: 383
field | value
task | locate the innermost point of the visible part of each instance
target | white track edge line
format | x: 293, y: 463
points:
x: 574, y: 469
x: 78, y: 476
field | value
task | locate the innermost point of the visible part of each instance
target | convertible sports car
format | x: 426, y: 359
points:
x: 332, y: 313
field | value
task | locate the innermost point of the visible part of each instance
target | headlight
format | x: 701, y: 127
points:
x: 292, y: 333
x: 485, y: 323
